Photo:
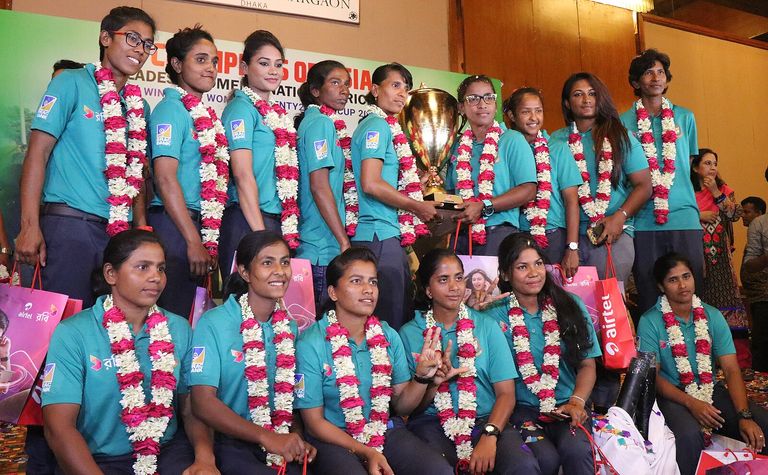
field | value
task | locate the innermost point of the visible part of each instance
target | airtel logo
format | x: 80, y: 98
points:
x: 612, y: 348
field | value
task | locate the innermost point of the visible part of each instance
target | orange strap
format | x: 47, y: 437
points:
x: 610, y: 270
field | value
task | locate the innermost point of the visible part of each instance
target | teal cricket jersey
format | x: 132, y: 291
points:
x: 653, y: 338
x: 372, y: 140
x: 218, y: 359
x: 315, y: 368
x: 246, y: 129
x: 173, y: 135
x: 567, y: 381
x: 70, y: 111
x: 514, y: 166
x: 634, y: 161
x: 683, y: 211
x: 493, y: 362
x: 564, y: 175
x: 80, y: 369
x: 318, y: 147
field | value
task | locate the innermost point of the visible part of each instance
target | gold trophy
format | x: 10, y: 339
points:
x: 431, y: 119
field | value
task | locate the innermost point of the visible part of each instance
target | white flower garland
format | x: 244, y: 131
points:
x: 537, y: 209
x: 596, y: 207
x: 661, y: 179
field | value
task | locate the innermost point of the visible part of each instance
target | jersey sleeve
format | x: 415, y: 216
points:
x: 376, y: 139
x: 57, y: 105
x: 168, y: 126
x: 309, y: 366
x: 64, y: 373
x: 204, y: 363
x: 239, y: 123
x: 319, y: 139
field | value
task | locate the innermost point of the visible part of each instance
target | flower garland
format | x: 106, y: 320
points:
x: 408, y: 184
x: 145, y: 422
x: 465, y: 184
x: 596, y: 207
x: 661, y: 179
x: 351, y: 206
x: 280, y: 419
x: 537, y: 209
x: 370, y: 433
x: 541, y: 384
x: 286, y: 164
x: 702, y: 391
x: 125, y: 157
x: 458, y: 426
x: 214, y: 168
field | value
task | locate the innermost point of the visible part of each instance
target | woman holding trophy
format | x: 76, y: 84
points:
x: 392, y: 211
x: 493, y: 171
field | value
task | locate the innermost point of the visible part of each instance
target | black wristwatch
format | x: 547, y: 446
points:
x: 488, y: 208
x: 745, y: 414
x: 422, y: 380
x: 491, y: 430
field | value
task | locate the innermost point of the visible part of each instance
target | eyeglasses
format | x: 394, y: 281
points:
x: 474, y: 99
x: 134, y: 39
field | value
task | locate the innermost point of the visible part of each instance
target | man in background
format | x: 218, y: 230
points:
x: 754, y: 277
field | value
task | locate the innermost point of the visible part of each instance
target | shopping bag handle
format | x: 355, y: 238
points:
x: 456, y: 237
x: 597, y: 451
x: 208, y: 285
x: 610, y: 270
x: 283, y: 469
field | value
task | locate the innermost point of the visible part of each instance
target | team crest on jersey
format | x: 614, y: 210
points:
x: 45, y: 106
x: 321, y: 149
x: 50, y: 368
x: 372, y: 139
x: 198, y: 359
x: 298, y: 385
x: 163, y: 134
x: 237, y: 127
x: 237, y: 356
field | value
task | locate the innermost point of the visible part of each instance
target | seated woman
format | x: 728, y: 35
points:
x: 688, y: 337
x: 466, y: 418
x: 554, y: 345
x: 114, y: 382
x: 351, y: 367
x: 242, y: 386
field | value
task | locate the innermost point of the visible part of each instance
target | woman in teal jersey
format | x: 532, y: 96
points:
x: 223, y: 381
x: 324, y: 147
x: 253, y: 201
x: 542, y: 321
x: 490, y: 443
x: 175, y: 212
x: 560, y: 207
x: 86, y: 424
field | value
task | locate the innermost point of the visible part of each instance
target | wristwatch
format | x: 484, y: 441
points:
x: 488, y: 209
x: 6, y: 250
x: 491, y: 430
x: 573, y: 246
x: 745, y: 414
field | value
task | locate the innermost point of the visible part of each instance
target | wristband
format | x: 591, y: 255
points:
x: 422, y: 380
x: 720, y: 199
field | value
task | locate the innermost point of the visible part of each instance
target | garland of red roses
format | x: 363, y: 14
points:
x: 661, y: 179
x: 351, y: 204
x: 286, y: 164
x: 145, y: 423
x: 214, y: 168
x: 125, y: 158
x: 536, y: 210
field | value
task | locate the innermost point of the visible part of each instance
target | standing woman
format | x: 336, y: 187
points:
x: 327, y: 197
x: 616, y: 182
x: 115, y: 381
x: 190, y: 162
x: 392, y: 210
x: 243, y: 371
x: 689, y: 337
x: 354, y: 382
x: 480, y: 395
x: 263, y: 144
x: 553, y: 217
x: 554, y: 346
x: 493, y: 172
x: 718, y: 208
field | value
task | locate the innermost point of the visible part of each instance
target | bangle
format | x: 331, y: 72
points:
x: 579, y: 398
x: 626, y: 215
x: 6, y: 250
x: 422, y: 380
x: 720, y: 198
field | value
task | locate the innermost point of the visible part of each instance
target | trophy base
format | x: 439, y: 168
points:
x: 448, y: 201
x: 444, y: 223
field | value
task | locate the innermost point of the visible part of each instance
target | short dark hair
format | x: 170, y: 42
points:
x: 339, y: 264
x: 380, y: 75
x: 118, y: 250
x: 249, y: 247
x: 665, y: 263
x: 66, y: 64
x: 316, y: 77
x: 118, y: 17
x: 427, y: 267
x: 179, y: 45
x: 461, y: 91
x: 644, y: 62
x: 755, y: 201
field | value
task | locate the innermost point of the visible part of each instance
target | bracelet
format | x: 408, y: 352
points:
x: 422, y: 380
x: 579, y: 398
x: 720, y: 198
x: 6, y: 250
x: 624, y: 212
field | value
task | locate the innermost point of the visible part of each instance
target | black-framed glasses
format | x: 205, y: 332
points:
x: 134, y: 39
x: 474, y: 99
